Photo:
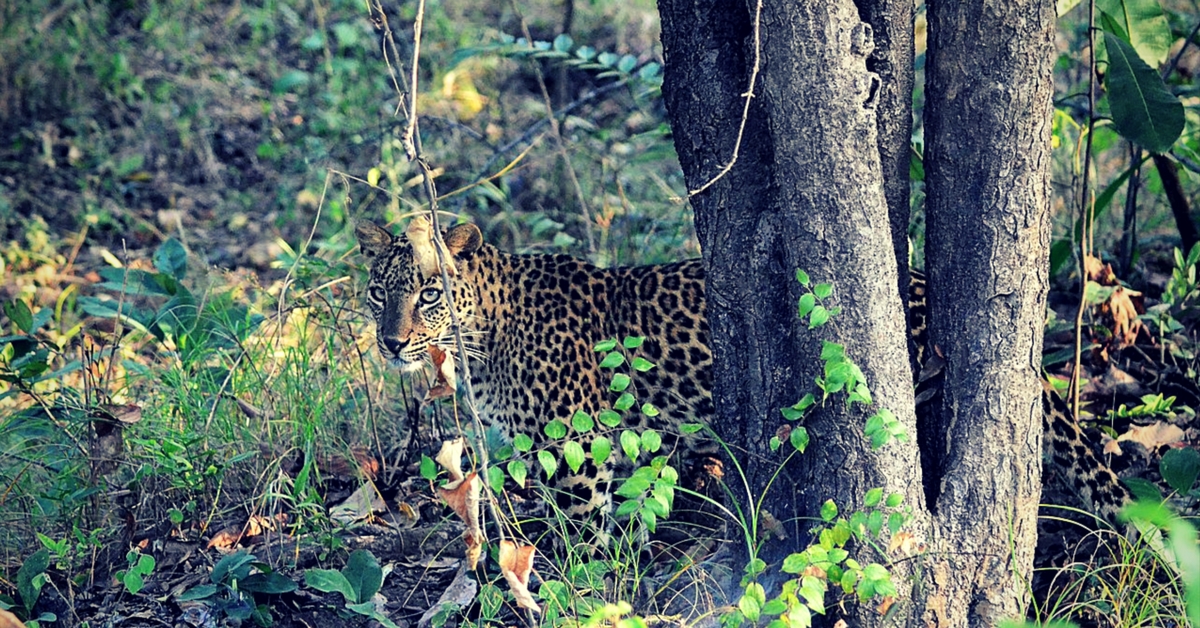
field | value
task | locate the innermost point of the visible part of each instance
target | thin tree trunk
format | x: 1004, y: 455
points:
x: 988, y: 115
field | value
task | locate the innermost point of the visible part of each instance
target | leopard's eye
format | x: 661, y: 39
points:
x: 377, y: 294
x: 429, y: 296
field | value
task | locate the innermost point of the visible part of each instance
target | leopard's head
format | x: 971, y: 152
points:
x: 406, y: 293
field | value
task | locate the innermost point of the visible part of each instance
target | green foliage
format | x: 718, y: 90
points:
x: 839, y: 374
x: 357, y: 582
x: 31, y: 577
x: 239, y: 588
x: 1143, y: 109
x: 140, y: 567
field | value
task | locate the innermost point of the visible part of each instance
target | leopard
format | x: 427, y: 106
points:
x: 531, y: 323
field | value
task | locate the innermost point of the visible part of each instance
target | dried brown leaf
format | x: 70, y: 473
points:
x: 450, y: 457
x: 447, y: 378
x: 463, y: 498
x: 516, y: 563
x: 420, y: 235
x: 1154, y: 435
x: 8, y: 620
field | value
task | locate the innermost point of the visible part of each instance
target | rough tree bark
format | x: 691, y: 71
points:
x: 987, y: 122
x: 808, y: 191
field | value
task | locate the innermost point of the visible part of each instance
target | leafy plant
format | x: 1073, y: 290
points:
x: 140, y: 567
x: 239, y: 588
x: 357, y: 582
x: 31, y: 577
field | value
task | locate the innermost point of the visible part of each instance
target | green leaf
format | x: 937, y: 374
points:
x: 819, y: 317
x: 1143, y: 110
x: 823, y: 290
x: 329, y: 581
x: 133, y: 582
x: 1145, y: 26
x: 428, y: 468
x: 601, y: 449
x: 623, y: 403
x: 806, y: 304
x: 642, y: 365
x: 802, y: 277
x: 612, y: 361
x: 582, y: 422
x: 799, y: 438
x: 563, y: 43
x: 633, y: 342
x: 774, y: 443
x: 630, y: 444
x: 627, y: 63
x: 691, y: 428
x: 610, y: 418
x: 518, y: 471
x: 495, y: 479
x: 573, y: 454
x: 651, y: 441
x: 649, y: 409
x: 198, y: 592
x: 272, y: 583
x: 522, y: 442
x: 549, y: 464
x: 620, y: 382
x: 171, y: 259
x: 555, y: 429
x: 894, y: 500
x: 832, y: 351
x: 1180, y: 468
x: 873, y: 497
x: 19, y: 313
x: 829, y: 510
x: 605, y: 346
x: 364, y: 574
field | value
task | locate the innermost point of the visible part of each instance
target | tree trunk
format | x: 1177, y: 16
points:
x: 806, y: 192
x: 988, y: 115
x: 893, y: 61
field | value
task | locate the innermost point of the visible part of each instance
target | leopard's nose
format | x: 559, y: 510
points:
x: 394, y: 344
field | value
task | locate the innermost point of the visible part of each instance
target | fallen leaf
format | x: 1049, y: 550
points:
x: 459, y: 594
x: 359, y: 505
x: 256, y: 525
x: 1154, y: 435
x: 8, y: 620
x: 885, y: 605
x: 463, y: 498
x: 516, y: 563
x: 450, y: 457
x: 419, y: 233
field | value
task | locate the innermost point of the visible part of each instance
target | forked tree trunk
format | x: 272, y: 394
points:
x: 807, y: 191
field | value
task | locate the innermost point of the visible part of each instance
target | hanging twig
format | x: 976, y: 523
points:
x: 1085, y: 206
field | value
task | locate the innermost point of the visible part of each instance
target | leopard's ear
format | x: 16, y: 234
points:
x: 373, y: 239
x: 464, y: 239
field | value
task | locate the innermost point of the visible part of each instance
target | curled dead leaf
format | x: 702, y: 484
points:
x: 463, y: 498
x: 420, y: 235
x: 447, y: 378
x: 516, y: 563
x: 450, y: 457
